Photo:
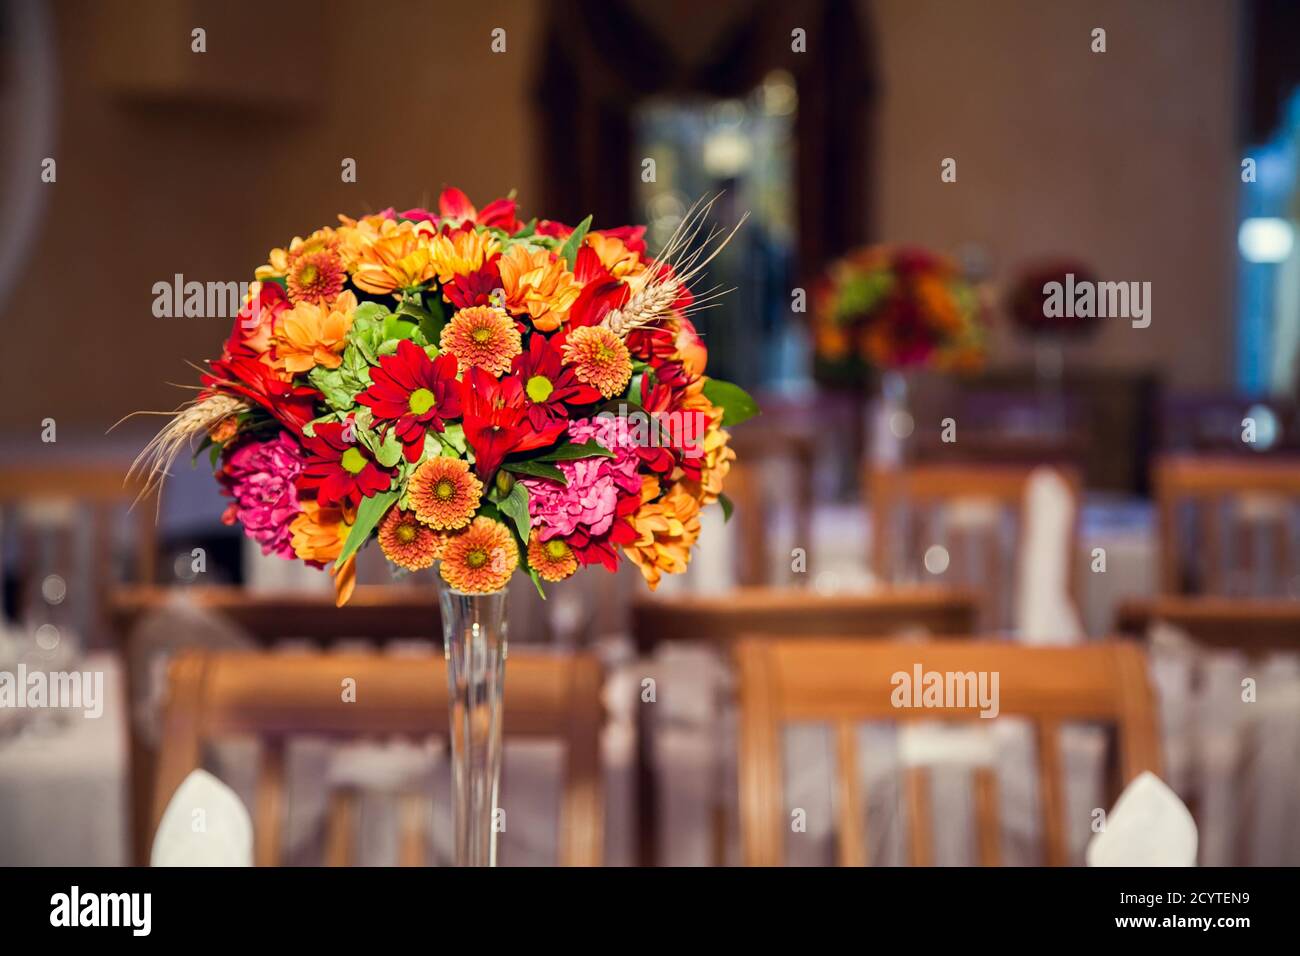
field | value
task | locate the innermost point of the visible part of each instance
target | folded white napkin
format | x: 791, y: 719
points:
x: 206, y: 824
x: 1045, y: 612
x: 1149, y: 826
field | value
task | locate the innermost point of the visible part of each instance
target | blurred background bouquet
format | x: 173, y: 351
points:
x: 895, y: 308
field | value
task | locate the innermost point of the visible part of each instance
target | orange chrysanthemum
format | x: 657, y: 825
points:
x: 665, y: 531
x: 538, y: 283
x: 461, y: 252
x: 396, y: 259
x: 315, y: 277
x: 615, y: 256
x: 599, y: 358
x: 481, y: 558
x: 319, y: 533
x: 281, y: 261
x: 408, y: 542
x: 314, y: 334
x: 444, y: 493
x: 718, y: 455
x: 552, y: 560
x: 483, y: 337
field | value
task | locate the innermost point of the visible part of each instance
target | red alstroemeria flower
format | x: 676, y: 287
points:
x: 412, y: 393
x: 338, y: 470
x: 549, y: 384
x: 632, y: 236
x: 496, y: 420
x: 248, y: 378
x: 454, y: 207
x: 554, y: 229
x: 600, y: 291
x: 418, y: 215
x: 256, y: 322
x: 476, y: 288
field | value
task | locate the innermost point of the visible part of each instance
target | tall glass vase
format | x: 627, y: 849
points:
x: 474, y: 642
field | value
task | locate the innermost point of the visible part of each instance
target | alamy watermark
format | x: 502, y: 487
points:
x: 54, y: 690
x: 946, y: 690
x: 204, y: 300
x: 683, y: 430
x: 1085, y: 299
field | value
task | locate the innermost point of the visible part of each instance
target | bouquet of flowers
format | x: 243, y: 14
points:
x: 896, y: 308
x: 468, y: 389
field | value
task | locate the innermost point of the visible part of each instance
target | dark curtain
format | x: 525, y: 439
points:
x: 599, y: 60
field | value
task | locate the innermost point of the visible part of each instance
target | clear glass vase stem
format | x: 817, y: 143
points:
x: 474, y: 643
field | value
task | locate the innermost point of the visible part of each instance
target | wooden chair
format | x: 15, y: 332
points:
x: 1255, y: 627
x: 93, y: 490
x: 848, y: 682
x: 722, y: 619
x: 758, y: 451
x: 274, y: 697
x: 1215, y: 490
x: 917, y: 494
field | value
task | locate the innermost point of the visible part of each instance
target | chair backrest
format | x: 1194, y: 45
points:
x: 1250, y: 626
x: 1239, y: 509
x: 972, y: 504
x: 64, y: 501
x: 799, y: 613
x: 848, y: 682
x: 274, y: 697
x: 759, y: 452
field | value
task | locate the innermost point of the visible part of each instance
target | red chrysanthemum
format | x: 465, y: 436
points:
x: 412, y: 393
x: 496, y: 420
x: 549, y: 385
x: 340, y: 470
x: 475, y: 288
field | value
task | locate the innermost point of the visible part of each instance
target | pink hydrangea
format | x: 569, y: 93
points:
x: 589, y: 502
x: 260, y: 476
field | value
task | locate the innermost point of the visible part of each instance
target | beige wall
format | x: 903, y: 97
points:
x: 1125, y: 158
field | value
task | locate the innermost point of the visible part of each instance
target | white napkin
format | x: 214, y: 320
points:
x: 1045, y: 613
x: 206, y: 824
x: 1149, y: 826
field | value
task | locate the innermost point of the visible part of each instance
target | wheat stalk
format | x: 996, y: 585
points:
x: 186, y: 423
x: 687, y: 260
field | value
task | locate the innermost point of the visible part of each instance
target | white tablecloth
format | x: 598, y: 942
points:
x: 63, y: 790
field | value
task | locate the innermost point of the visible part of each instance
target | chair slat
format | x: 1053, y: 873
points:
x: 340, y: 828
x: 270, y: 803
x: 852, y: 828
x: 412, y: 812
x: 988, y: 826
x: 920, y: 818
x: 1051, y: 792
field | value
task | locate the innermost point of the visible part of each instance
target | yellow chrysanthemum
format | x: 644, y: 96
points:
x: 319, y: 533
x: 539, y: 283
x: 480, y: 559
x: 482, y: 336
x: 552, y: 560
x: 715, y: 448
x: 313, y: 334
x: 666, y: 531
x: 444, y: 493
x: 462, y: 252
x: 599, y: 358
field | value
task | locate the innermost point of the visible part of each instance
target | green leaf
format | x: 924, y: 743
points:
x: 281, y: 281
x: 737, y: 404
x: 331, y: 385
x: 536, y: 469
x: 571, y: 451
x: 388, y: 450
x: 453, y: 436
x: 403, y: 324
x: 515, y: 507
x: 372, y: 509
x: 569, y: 251
x: 727, y: 507
x: 430, y: 317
